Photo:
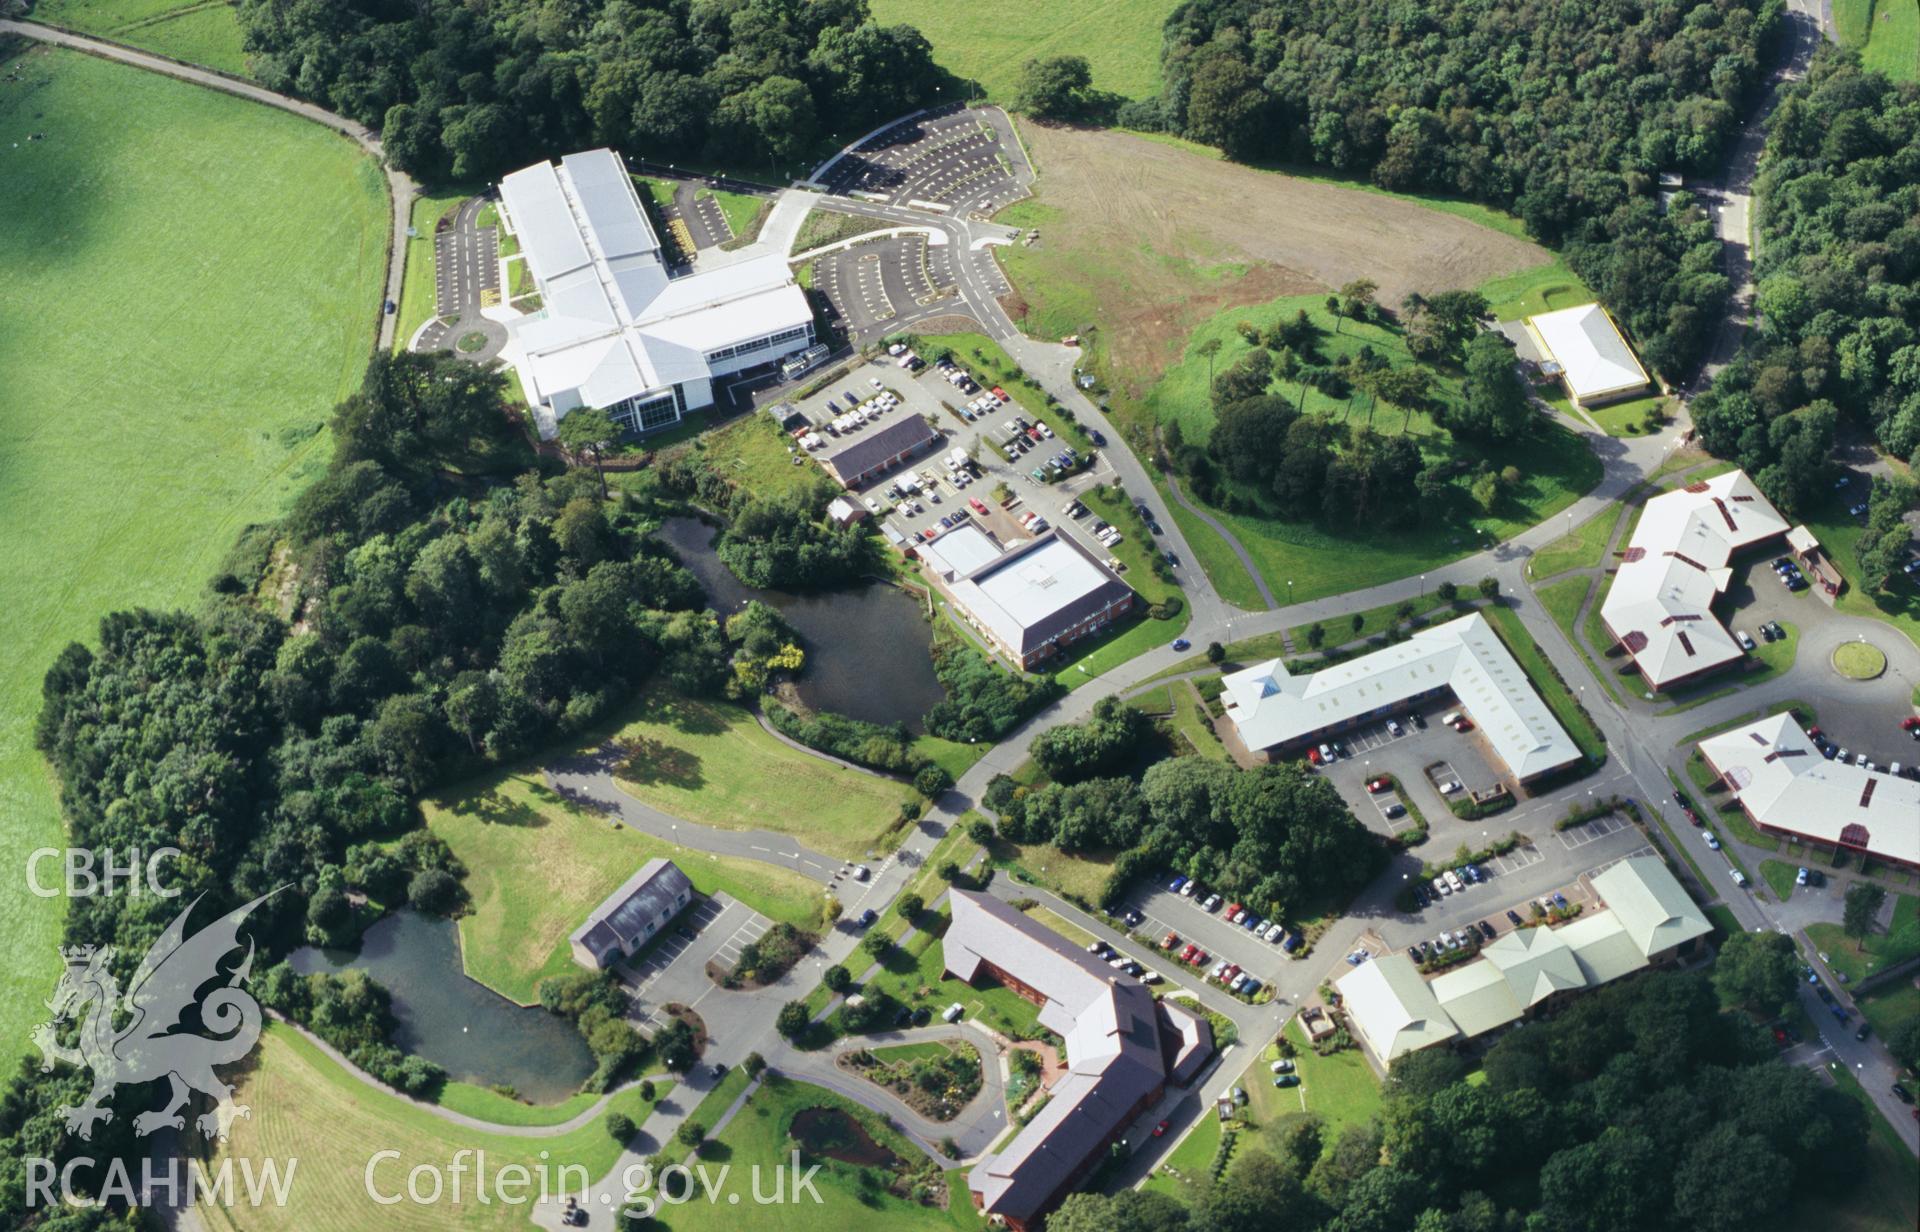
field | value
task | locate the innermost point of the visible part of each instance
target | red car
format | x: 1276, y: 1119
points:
x: 979, y: 506
x: 1233, y: 969
x: 1464, y: 725
x: 1693, y: 817
x: 1379, y: 785
x: 1186, y: 955
x: 1001, y: 394
x: 1313, y: 756
x: 1169, y: 941
x: 1200, y: 958
x: 1160, y: 1129
x: 1910, y: 723
x: 1233, y: 909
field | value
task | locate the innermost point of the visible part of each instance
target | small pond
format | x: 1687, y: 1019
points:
x: 470, y: 1031
x: 836, y: 1135
x: 868, y: 647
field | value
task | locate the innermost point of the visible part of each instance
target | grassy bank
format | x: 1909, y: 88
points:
x: 192, y: 282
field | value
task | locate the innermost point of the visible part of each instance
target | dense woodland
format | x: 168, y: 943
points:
x: 1563, y: 114
x: 1641, y: 1107
x: 449, y: 607
x: 1838, y: 291
x: 470, y: 91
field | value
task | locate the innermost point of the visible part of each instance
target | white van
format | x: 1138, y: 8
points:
x: 1451, y: 718
x: 953, y: 1012
x: 1453, y: 879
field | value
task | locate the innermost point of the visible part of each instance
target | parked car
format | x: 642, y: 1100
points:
x: 1176, y: 883
x: 1212, y: 903
x: 1376, y: 786
x: 1169, y: 941
x: 1287, y: 1080
x: 1513, y: 917
x: 1393, y: 727
x: 1282, y: 1066
x: 1708, y: 838
x: 867, y: 917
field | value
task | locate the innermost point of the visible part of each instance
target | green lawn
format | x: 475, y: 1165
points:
x: 712, y: 763
x: 1900, y: 942
x: 1885, y: 32
x: 758, y: 1138
x: 986, y: 41
x: 1190, y: 721
x: 1779, y: 875
x: 1532, y: 291
x: 1060, y: 924
x: 1625, y: 418
x: 197, y: 31
x: 824, y: 226
x: 1080, y: 874
x: 1562, y: 599
x: 163, y: 245
x: 1193, y: 1157
x: 1552, y: 691
x: 1216, y: 558
x: 417, y: 286
x: 1341, y: 1089
x: 537, y: 864
x: 1339, y: 630
x: 306, y: 1107
x: 743, y: 212
x: 1585, y: 547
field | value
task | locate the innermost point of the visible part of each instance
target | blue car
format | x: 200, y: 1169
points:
x: 1181, y: 643
x: 868, y: 916
x: 1292, y: 943
x: 1176, y: 883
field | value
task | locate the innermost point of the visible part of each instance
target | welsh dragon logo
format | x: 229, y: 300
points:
x: 148, y: 1046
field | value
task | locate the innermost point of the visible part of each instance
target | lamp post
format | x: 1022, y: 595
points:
x: 1289, y: 592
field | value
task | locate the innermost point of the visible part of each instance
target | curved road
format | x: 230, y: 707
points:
x: 400, y: 186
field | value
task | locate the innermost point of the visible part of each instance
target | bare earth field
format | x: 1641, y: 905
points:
x: 1140, y: 227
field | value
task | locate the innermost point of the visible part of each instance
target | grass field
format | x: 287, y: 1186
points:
x: 1340, y: 1089
x: 197, y: 31
x: 536, y: 864
x: 1779, y: 875
x: 1079, y: 874
x: 1890, y: 1007
x: 305, y: 1107
x: 759, y: 1136
x: 920, y: 963
x: 1190, y: 721
x: 1534, y: 290
x: 1886, y: 33
x: 1899, y: 942
x: 1060, y: 924
x: 712, y: 763
x: 163, y: 245
x: 1582, y: 548
x: 987, y: 41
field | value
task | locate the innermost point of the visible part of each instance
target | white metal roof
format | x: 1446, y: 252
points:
x: 1595, y: 359
x: 613, y: 325
x: 1674, y: 568
x: 1271, y: 707
x: 1650, y: 904
x: 960, y: 551
x: 1035, y: 590
x: 1779, y: 775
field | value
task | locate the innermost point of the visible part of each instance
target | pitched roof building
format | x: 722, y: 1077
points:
x: 1595, y: 362
x: 1279, y: 712
x: 1646, y: 918
x: 1121, y: 1044
x: 1787, y: 786
x: 632, y: 915
x: 1660, y: 606
x: 1031, y: 599
x: 615, y: 330
x: 858, y: 457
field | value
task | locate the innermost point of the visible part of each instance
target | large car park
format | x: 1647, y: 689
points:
x: 954, y: 158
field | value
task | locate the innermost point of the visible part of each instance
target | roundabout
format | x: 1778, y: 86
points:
x: 1859, y: 660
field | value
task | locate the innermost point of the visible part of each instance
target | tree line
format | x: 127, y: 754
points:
x: 1837, y: 286
x: 1265, y: 454
x: 469, y: 92
x: 1274, y: 837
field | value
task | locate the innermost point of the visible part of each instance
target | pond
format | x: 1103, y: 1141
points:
x: 470, y: 1031
x: 869, y: 648
x: 836, y: 1135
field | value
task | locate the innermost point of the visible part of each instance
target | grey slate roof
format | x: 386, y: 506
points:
x: 648, y: 895
x: 1112, y: 1028
x: 865, y: 450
